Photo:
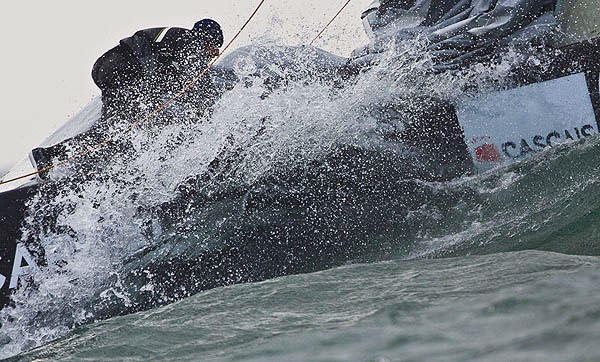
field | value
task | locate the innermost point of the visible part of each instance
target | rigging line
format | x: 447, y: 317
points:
x: 331, y: 21
x: 152, y: 114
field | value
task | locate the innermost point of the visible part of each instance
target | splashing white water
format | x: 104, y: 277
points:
x: 101, y: 220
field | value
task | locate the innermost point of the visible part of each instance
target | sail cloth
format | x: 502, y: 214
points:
x: 458, y: 30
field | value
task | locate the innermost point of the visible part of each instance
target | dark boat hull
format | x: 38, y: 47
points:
x: 14, y: 258
x: 435, y: 133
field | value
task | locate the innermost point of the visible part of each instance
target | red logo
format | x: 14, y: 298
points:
x: 487, y: 153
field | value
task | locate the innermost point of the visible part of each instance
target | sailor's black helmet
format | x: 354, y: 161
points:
x: 210, y: 31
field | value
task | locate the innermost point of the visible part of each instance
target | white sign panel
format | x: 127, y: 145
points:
x: 518, y: 122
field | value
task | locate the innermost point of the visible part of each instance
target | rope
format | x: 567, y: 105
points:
x: 331, y: 21
x: 152, y: 114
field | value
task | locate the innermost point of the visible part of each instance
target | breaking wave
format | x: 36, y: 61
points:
x: 307, y: 179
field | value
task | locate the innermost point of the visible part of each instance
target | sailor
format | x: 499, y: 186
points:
x: 141, y: 73
x: 156, y: 61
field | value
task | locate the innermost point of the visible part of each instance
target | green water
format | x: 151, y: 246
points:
x: 518, y: 306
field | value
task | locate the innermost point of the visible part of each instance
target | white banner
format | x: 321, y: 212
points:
x: 518, y: 122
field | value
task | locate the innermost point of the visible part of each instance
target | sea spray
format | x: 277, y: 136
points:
x: 273, y: 146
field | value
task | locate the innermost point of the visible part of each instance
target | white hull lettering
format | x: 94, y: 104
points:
x: 2, y: 278
x: 22, y: 265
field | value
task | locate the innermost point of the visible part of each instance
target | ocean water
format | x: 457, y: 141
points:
x: 316, y: 238
x: 517, y: 306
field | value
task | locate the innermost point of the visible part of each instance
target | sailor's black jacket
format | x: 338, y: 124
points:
x: 150, y: 53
